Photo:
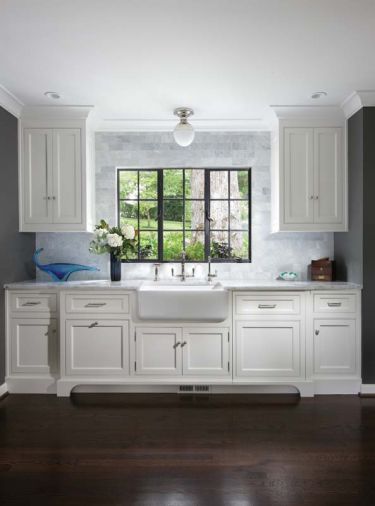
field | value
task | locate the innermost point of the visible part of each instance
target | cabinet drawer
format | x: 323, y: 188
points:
x: 246, y: 304
x: 97, y: 303
x: 24, y: 302
x: 340, y: 303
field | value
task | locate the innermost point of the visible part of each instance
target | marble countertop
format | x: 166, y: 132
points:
x: 229, y: 284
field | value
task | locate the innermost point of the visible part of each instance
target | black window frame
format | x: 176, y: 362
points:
x: 207, y: 202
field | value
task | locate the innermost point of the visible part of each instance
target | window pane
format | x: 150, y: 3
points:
x: 239, y: 184
x: 148, y: 183
x: 219, y: 247
x: 239, y: 241
x: 148, y: 215
x: 194, y: 214
x: 173, y: 214
x: 128, y: 184
x: 239, y: 215
x: 194, y: 183
x: 129, y: 213
x: 172, y: 245
x: 219, y: 184
x: 194, y: 246
x: 148, y: 245
x: 219, y: 214
x: 172, y: 181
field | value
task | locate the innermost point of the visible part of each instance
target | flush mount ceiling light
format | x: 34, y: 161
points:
x: 52, y: 94
x: 183, y: 133
x: 319, y: 94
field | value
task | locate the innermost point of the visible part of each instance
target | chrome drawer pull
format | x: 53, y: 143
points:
x: 176, y: 344
x: 95, y: 324
x: 266, y: 306
x: 183, y: 344
x: 31, y: 304
x: 334, y: 304
x: 96, y: 304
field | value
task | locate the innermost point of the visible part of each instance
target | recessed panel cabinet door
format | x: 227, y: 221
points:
x: 334, y: 347
x: 67, y: 176
x: 205, y: 352
x: 328, y: 176
x: 33, y: 345
x: 97, y: 347
x: 158, y: 351
x: 267, y: 349
x: 37, y: 176
x: 298, y: 175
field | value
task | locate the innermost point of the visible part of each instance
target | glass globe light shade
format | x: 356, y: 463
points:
x: 183, y: 134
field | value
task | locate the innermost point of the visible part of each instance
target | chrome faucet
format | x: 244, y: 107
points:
x: 156, y: 272
x: 209, y: 274
x: 183, y: 274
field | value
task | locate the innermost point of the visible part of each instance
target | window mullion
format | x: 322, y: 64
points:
x: 207, y: 214
x: 160, y: 196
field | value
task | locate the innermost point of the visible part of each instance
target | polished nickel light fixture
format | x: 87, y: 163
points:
x: 183, y: 133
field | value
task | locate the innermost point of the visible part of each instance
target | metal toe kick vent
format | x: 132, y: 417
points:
x: 194, y: 389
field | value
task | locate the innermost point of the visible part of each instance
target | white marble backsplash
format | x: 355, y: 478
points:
x: 271, y: 253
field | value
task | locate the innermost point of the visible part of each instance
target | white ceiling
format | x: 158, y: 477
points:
x: 228, y: 59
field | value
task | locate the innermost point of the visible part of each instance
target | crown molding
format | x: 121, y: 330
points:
x: 10, y: 102
x: 200, y: 125
x: 42, y: 112
x: 286, y: 112
x: 356, y: 100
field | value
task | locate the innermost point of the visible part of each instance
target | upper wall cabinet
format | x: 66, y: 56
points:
x: 55, y: 180
x: 309, y: 176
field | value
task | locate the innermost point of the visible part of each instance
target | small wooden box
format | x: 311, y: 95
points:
x: 322, y: 270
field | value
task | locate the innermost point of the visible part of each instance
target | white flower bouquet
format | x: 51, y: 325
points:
x: 121, y: 242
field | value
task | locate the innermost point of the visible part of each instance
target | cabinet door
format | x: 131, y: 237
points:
x: 97, y: 347
x: 298, y: 175
x: 37, y: 175
x: 67, y: 176
x: 267, y: 349
x: 205, y: 352
x: 334, y: 347
x: 328, y: 176
x: 33, y: 345
x: 158, y: 351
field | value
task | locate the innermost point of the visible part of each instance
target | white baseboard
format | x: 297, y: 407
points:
x: 367, y: 389
x: 3, y: 389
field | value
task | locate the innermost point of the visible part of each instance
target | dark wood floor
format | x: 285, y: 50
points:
x: 167, y: 451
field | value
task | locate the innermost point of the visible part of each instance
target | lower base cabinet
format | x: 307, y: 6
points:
x: 198, y: 351
x: 267, y: 349
x: 97, y: 347
x: 334, y: 347
x: 33, y: 344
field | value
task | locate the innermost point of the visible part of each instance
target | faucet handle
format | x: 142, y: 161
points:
x: 183, y: 255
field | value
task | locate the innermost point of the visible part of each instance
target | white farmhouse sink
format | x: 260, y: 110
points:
x: 183, y: 301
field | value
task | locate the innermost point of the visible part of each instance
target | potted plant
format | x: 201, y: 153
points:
x: 120, y: 242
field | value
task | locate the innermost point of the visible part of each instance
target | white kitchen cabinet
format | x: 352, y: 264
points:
x: 55, y: 182
x: 268, y: 348
x: 299, y: 176
x: 67, y: 176
x: 97, y: 347
x: 334, y: 347
x: 37, y: 176
x: 205, y: 351
x: 328, y: 176
x: 309, y: 187
x: 33, y: 344
x: 158, y: 351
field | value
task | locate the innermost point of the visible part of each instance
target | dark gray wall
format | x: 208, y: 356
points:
x: 355, y: 250
x: 16, y: 249
x: 349, y: 245
x: 368, y: 294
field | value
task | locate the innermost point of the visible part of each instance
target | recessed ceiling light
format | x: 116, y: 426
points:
x: 52, y: 94
x: 319, y: 94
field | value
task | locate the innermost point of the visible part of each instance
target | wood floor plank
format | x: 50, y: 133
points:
x: 165, y: 450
